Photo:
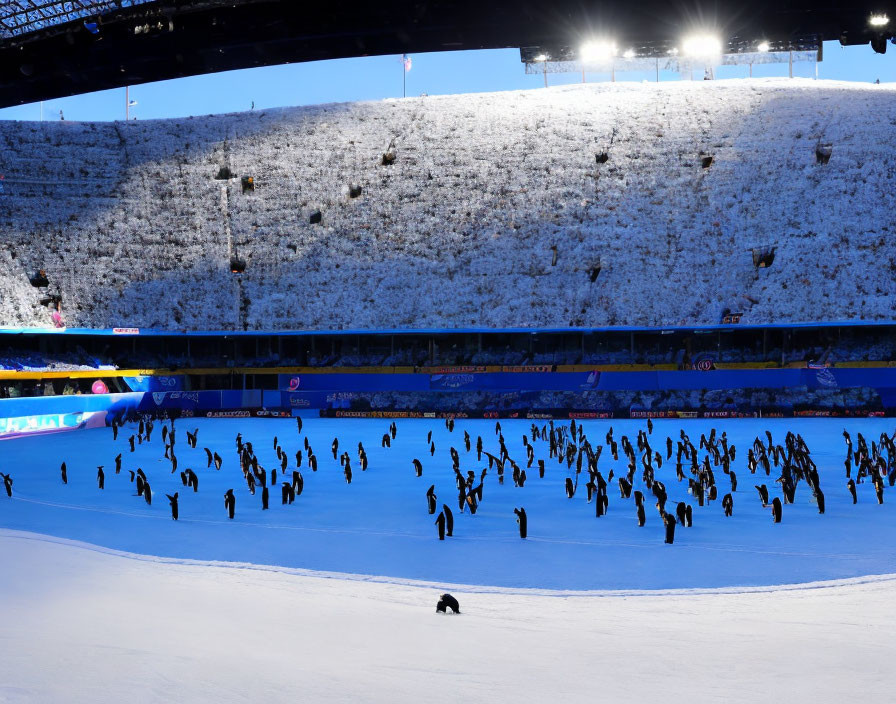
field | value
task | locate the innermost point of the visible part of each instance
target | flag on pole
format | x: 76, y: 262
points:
x: 132, y: 103
x: 406, y: 60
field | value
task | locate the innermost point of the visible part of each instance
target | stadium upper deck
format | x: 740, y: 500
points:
x: 569, y: 207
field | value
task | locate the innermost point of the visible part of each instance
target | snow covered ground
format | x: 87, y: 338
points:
x: 495, y: 211
x: 81, y: 625
x: 106, y: 599
x: 379, y: 525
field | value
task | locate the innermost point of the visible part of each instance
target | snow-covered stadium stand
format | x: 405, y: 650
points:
x: 577, y: 206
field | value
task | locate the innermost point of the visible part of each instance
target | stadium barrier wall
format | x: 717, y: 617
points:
x: 825, y: 377
x: 469, y: 393
x: 39, y: 415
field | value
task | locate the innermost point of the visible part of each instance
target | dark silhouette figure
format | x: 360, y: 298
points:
x: 431, y: 499
x: 449, y: 520
x: 669, y: 521
x: 446, y: 601
x: 522, y: 520
x: 440, y: 522
x: 173, y: 501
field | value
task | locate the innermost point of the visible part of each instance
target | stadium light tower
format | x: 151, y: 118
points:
x: 879, y: 23
x: 598, y: 51
x: 595, y: 51
x: 544, y: 66
x: 702, y: 45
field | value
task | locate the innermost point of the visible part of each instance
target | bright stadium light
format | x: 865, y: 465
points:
x: 597, y: 51
x: 673, y: 51
x: 541, y: 57
x: 629, y: 54
x: 879, y: 20
x: 763, y: 47
x: 702, y: 45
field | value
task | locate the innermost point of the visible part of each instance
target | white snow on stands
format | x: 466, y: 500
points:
x: 496, y: 211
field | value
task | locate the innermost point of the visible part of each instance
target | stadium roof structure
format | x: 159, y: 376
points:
x: 19, y: 17
x: 55, y: 49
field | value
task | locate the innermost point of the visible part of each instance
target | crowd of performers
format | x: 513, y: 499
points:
x: 568, y: 446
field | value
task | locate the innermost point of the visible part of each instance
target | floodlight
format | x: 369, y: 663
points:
x: 879, y: 20
x: 702, y: 45
x: 541, y: 57
x: 763, y: 47
x: 597, y: 51
x: 629, y: 54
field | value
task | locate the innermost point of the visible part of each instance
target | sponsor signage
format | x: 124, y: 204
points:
x: 25, y: 425
x: 457, y: 370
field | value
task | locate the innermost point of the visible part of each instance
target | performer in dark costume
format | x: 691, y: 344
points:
x: 446, y: 601
x: 431, y: 499
x: 230, y: 502
x: 522, y: 520
x: 728, y: 505
x: 669, y: 521
x: 449, y: 520
x: 173, y: 501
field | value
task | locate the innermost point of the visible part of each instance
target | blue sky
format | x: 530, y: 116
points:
x: 374, y: 78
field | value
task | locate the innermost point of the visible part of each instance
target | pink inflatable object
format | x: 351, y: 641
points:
x: 99, y: 387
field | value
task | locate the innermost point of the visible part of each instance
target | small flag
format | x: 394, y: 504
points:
x: 406, y: 60
x: 132, y: 103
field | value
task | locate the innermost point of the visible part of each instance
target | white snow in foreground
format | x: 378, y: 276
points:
x: 379, y: 524
x: 86, y: 626
x: 133, y: 229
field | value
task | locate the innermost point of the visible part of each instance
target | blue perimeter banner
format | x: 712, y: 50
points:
x: 719, y: 379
